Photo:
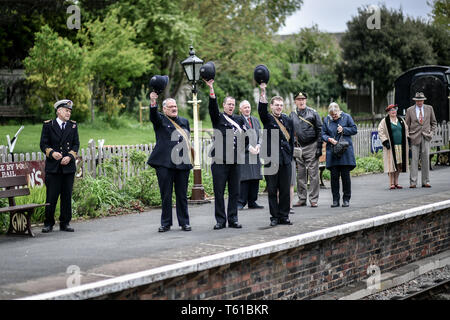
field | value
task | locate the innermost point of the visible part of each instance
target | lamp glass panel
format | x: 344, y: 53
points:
x: 197, y: 71
x: 188, y: 68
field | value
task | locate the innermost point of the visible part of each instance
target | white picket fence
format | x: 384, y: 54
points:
x: 92, y: 157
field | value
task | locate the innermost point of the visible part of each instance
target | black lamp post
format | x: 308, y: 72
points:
x: 191, y: 66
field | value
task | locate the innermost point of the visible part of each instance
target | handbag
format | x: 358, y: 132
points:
x: 339, y: 148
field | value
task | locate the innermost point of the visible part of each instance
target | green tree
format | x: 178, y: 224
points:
x: 111, y: 55
x: 440, y: 12
x: 310, y: 45
x: 21, y: 19
x: 55, y: 70
x: 165, y: 29
x: 383, y: 54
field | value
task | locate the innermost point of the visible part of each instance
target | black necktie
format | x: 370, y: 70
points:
x: 63, y: 126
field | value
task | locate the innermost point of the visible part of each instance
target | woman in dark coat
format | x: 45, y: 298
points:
x: 339, y: 125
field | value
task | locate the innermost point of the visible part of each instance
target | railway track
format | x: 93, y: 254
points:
x: 433, y: 292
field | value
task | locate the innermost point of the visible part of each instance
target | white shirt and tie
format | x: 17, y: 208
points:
x: 419, y: 112
x: 61, y: 124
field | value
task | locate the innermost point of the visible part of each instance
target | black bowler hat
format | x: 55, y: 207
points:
x: 158, y: 83
x: 261, y: 74
x: 208, y: 71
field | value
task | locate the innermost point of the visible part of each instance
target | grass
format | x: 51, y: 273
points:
x: 122, y: 131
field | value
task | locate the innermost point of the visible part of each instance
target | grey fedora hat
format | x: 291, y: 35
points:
x: 419, y: 96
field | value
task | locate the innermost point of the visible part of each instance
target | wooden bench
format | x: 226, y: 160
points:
x: 20, y: 215
x: 323, y: 164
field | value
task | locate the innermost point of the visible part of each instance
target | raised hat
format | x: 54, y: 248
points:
x: 158, y: 83
x: 301, y: 95
x: 66, y: 103
x: 261, y: 74
x: 208, y: 71
x: 419, y: 96
x: 391, y: 106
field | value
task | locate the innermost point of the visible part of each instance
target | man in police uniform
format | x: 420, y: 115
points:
x: 172, y: 160
x: 60, y: 143
x: 229, y: 128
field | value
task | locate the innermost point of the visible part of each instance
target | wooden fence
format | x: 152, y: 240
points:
x: 93, y: 158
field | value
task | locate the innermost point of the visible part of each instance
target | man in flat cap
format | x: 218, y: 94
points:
x: 307, y: 128
x: 60, y: 143
x: 421, y: 122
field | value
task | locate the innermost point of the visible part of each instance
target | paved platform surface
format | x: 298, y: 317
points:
x: 109, y: 247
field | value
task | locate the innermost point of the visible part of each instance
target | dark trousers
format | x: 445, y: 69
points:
x: 248, y: 192
x: 223, y: 174
x: 278, y: 189
x: 342, y: 172
x: 167, y: 179
x: 58, y: 184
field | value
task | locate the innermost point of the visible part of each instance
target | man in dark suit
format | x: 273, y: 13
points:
x: 251, y: 169
x: 279, y: 151
x: 60, y: 143
x: 171, y: 159
x: 228, y: 132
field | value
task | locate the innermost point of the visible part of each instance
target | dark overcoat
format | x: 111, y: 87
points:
x: 65, y: 142
x: 228, y: 143
x: 161, y: 155
x: 251, y: 170
x: 285, y: 148
x: 329, y: 130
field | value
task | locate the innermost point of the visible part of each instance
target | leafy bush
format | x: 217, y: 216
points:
x: 368, y: 164
x: 95, y: 197
x: 144, y: 187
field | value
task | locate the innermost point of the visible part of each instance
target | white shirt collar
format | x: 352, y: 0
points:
x: 60, y: 122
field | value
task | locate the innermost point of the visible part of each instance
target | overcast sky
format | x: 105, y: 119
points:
x: 332, y: 15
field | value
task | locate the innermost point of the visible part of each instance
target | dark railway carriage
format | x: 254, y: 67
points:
x: 433, y: 81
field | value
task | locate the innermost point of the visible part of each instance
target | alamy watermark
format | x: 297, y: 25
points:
x: 374, y: 20
x: 374, y: 280
x: 231, y: 149
x: 74, y: 20
x: 74, y: 279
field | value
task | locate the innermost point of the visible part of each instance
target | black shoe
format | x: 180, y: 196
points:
x: 66, y: 228
x: 273, y: 223
x: 235, y: 225
x: 255, y: 206
x: 47, y: 229
x: 219, y: 226
x: 285, y: 221
x: 346, y: 203
x: 240, y: 207
x: 186, y: 227
x: 164, y: 228
x: 335, y: 204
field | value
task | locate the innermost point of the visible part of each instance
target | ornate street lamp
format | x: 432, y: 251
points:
x: 191, y: 66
